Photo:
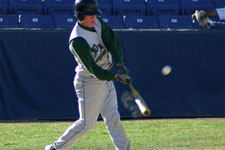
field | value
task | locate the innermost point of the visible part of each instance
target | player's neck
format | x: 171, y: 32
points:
x: 86, y: 28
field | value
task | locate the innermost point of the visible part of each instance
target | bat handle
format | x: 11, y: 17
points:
x: 132, y: 90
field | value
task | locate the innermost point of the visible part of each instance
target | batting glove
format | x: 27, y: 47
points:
x: 122, y: 69
x: 123, y: 78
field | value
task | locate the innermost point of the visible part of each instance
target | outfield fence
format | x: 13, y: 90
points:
x: 37, y: 71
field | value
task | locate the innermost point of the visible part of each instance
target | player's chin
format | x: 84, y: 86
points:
x: 92, y: 25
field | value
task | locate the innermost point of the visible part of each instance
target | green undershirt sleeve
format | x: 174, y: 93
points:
x: 81, y: 49
x: 112, y: 42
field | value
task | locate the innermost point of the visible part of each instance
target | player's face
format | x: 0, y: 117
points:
x: 89, y: 21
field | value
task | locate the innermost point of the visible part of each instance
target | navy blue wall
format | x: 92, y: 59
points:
x: 37, y: 70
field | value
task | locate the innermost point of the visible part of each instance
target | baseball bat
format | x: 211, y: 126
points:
x: 145, y: 111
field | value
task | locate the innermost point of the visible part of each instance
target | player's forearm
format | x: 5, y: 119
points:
x: 103, y: 74
x: 97, y: 71
x: 81, y: 49
x: 212, y: 13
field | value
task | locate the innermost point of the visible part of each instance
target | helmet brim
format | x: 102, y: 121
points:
x: 97, y: 12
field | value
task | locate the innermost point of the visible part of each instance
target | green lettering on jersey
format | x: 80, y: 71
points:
x: 100, y: 56
x: 94, y: 49
x: 98, y: 48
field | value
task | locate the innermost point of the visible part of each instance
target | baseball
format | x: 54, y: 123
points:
x: 166, y: 70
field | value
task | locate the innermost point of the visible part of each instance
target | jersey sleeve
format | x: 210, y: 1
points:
x: 81, y: 49
x: 112, y: 42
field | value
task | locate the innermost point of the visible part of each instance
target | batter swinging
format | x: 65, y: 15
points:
x: 93, y: 44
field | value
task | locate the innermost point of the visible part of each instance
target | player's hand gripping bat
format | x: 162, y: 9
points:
x: 145, y: 111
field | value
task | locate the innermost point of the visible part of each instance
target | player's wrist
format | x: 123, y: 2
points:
x: 123, y: 78
x: 116, y: 77
x: 120, y: 64
x: 122, y: 69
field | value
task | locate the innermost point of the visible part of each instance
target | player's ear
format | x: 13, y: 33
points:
x: 79, y: 17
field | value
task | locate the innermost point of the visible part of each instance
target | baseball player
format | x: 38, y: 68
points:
x: 206, y: 23
x: 93, y: 45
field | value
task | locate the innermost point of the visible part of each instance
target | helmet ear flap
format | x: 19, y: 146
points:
x: 79, y: 17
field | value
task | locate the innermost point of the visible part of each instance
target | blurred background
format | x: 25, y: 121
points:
x: 119, y: 14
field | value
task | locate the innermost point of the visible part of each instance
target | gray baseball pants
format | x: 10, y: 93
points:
x: 95, y: 97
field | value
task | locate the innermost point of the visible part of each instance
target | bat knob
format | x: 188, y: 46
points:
x: 147, y: 113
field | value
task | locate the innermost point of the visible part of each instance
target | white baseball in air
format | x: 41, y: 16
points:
x: 166, y: 70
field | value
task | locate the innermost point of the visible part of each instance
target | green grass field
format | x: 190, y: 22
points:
x: 184, y: 134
